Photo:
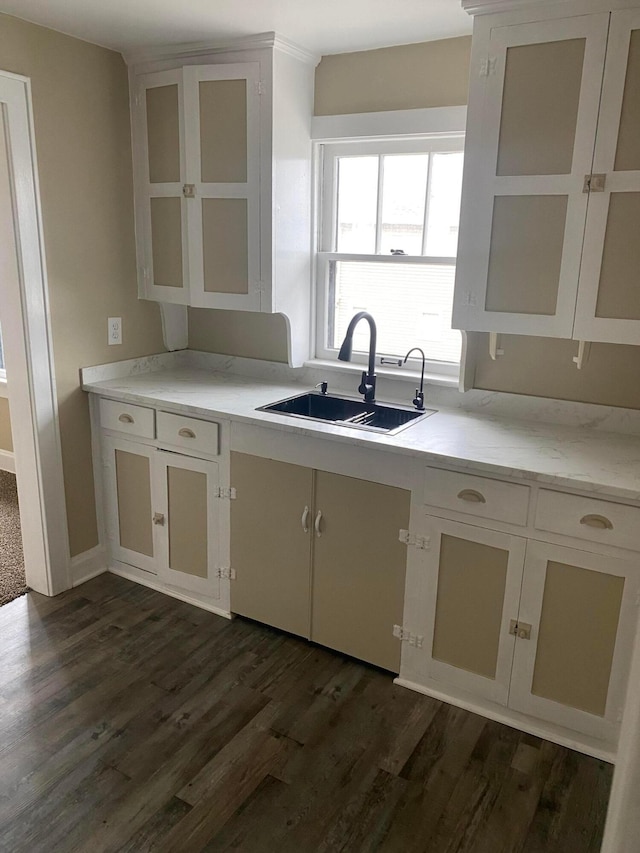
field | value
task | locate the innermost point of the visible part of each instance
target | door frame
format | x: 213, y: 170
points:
x: 24, y: 305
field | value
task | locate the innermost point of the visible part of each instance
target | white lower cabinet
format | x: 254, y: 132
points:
x: 163, y: 514
x: 538, y: 628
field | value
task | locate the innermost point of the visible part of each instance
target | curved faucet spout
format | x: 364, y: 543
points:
x: 368, y: 384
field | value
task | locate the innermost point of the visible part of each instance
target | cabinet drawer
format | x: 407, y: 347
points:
x: 589, y: 518
x: 478, y: 496
x: 123, y: 417
x: 189, y: 433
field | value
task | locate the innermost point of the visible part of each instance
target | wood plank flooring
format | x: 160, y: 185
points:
x: 133, y: 722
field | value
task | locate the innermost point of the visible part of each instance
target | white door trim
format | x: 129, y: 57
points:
x: 24, y: 306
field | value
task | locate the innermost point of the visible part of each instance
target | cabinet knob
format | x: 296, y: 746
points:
x: 125, y: 419
x: 599, y: 522
x: 158, y: 518
x: 185, y: 432
x: 472, y: 497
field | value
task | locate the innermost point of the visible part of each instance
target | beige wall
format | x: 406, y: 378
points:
x: 543, y: 367
x: 407, y: 77
x: 6, y: 442
x: 80, y: 101
x: 431, y: 74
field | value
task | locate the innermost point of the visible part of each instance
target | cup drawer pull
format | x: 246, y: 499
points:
x: 185, y: 432
x: 126, y: 419
x: 472, y: 497
x: 600, y: 522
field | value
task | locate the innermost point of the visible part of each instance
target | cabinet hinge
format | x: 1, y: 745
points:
x: 423, y: 543
x: 225, y: 494
x: 415, y: 640
x: 594, y: 183
x: 521, y: 630
x: 225, y: 573
x: 146, y: 274
x: 260, y: 87
x: 488, y: 66
x: 619, y: 713
x: 189, y: 190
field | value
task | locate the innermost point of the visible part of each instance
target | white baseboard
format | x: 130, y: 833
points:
x: 7, y: 461
x: 547, y: 731
x: 88, y: 565
x: 139, y: 576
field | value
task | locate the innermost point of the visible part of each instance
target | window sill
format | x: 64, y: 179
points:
x: 394, y: 373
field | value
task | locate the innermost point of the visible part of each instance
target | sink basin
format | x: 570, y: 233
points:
x: 344, y: 411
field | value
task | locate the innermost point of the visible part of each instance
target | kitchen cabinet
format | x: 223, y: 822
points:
x: 552, y: 178
x: 318, y: 554
x: 222, y: 175
x: 525, y: 602
x: 163, y: 509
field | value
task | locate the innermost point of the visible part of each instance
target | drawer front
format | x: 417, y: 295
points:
x: 188, y: 433
x: 123, y: 417
x: 589, y: 518
x: 479, y: 496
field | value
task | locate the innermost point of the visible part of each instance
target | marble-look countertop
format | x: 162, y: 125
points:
x: 575, y: 457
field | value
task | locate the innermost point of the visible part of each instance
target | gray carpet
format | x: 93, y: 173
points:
x: 12, y: 579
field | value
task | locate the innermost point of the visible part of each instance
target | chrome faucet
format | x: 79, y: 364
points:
x: 368, y: 383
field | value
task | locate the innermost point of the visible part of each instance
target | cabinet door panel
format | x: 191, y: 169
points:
x: 128, y: 482
x: 223, y: 130
x: 581, y: 608
x: 163, y: 134
x: 359, y: 568
x: 474, y: 578
x: 608, y: 307
x: 270, y: 550
x: 189, y: 555
x: 166, y: 241
x: 540, y: 103
x: 531, y: 142
x: 223, y: 163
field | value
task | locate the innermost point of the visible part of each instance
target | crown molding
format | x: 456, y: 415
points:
x: 186, y: 50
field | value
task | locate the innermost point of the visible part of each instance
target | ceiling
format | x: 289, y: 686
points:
x: 322, y: 26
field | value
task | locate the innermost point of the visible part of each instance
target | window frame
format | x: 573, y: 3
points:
x: 327, y: 153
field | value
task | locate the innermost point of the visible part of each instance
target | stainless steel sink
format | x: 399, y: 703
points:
x: 344, y: 411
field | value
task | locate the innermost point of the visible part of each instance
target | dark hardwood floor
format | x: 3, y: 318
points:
x: 131, y: 722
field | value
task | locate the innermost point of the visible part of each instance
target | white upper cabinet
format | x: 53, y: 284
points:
x: 222, y: 165
x: 550, y: 188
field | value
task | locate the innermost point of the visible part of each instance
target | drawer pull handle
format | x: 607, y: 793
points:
x: 185, y: 432
x: 158, y: 518
x: 304, y: 519
x: 126, y: 419
x: 317, y: 523
x: 472, y: 497
x: 600, y: 522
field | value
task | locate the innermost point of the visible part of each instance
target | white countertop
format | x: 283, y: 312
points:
x: 576, y: 457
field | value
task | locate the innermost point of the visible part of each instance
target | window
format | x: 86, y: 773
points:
x: 387, y: 244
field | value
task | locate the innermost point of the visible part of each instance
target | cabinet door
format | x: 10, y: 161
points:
x: 160, y: 164
x: 187, y: 513
x: 271, y: 542
x: 530, y: 139
x: 128, y: 475
x: 474, y: 582
x: 609, y: 302
x: 359, y: 567
x: 582, y: 611
x: 222, y: 108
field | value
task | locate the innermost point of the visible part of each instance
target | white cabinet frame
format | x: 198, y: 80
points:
x: 588, y: 327
x: 495, y: 690
x: 164, y: 460
x: 481, y: 184
x: 520, y: 697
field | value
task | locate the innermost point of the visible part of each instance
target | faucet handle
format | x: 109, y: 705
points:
x: 418, y: 400
x: 323, y: 386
